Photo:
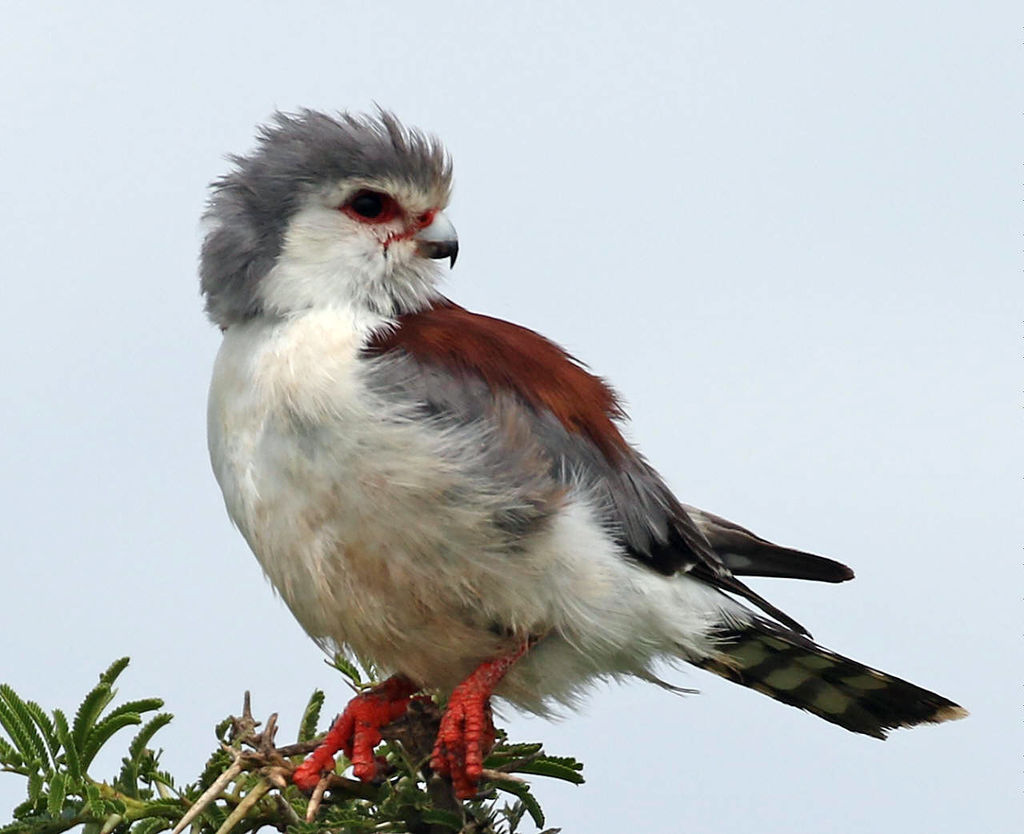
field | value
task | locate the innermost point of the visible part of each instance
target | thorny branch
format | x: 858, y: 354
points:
x: 247, y: 784
x: 275, y: 764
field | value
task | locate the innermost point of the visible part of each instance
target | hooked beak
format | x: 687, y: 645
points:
x: 438, y: 240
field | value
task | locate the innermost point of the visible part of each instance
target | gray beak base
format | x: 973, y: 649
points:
x: 438, y: 240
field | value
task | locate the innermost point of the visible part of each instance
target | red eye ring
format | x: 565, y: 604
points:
x: 368, y: 206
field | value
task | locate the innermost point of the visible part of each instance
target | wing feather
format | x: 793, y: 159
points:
x: 459, y: 365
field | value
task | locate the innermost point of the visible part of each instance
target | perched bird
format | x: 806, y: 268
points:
x: 450, y: 495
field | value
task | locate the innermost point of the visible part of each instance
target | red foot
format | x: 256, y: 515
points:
x: 357, y: 731
x: 467, y: 729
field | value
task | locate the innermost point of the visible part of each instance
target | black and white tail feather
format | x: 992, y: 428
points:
x: 793, y: 669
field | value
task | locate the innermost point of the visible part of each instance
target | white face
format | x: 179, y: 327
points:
x: 352, y: 245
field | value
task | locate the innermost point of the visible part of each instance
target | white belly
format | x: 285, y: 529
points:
x: 350, y: 508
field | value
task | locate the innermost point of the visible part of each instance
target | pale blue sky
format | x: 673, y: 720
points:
x: 788, y: 233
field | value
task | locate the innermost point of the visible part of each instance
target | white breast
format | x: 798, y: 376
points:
x: 339, y: 495
x: 273, y: 382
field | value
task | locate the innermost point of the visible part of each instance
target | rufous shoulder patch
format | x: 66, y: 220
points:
x: 508, y: 357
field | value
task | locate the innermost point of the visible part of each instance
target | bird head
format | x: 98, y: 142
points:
x: 328, y: 211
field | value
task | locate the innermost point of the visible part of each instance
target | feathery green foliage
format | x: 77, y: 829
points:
x: 246, y: 783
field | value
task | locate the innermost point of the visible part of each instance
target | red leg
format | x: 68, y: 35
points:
x: 467, y: 729
x: 357, y: 731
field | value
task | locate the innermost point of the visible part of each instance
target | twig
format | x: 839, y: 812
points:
x: 210, y: 794
x: 501, y: 776
x: 316, y: 799
x: 302, y: 748
x: 248, y: 801
x: 245, y: 726
x: 442, y: 794
x: 353, y: 787
x: 286, y: 810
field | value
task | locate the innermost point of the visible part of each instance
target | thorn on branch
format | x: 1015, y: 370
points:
x: 243, y: 727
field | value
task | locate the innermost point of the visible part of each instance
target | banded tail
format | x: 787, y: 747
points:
x: 793, y: 669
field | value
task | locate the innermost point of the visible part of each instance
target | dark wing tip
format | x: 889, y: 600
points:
x: 844, y: 573
x: 747, y: 554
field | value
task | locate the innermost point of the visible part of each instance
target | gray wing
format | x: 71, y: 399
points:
x: 651, y: 525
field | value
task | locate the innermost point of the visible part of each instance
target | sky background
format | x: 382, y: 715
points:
x: 788, y: 233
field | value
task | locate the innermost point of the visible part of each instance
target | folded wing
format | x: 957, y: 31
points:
x: 463, y: 367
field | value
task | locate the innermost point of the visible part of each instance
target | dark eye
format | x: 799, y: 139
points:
x: 368, y: 204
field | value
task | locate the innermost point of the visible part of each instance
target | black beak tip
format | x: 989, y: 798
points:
x: 437, y: 249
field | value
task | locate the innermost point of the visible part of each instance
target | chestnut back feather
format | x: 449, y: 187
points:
x: 511, y: 358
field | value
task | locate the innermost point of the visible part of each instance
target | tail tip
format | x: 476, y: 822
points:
x: 949, y: 712
x: 941, y: 713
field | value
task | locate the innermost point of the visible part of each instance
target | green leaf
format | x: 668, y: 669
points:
x: 523, y: 792
x: 129, y: 776
x: 510, y: 752
x: 45, y: 726
x: 9, y: 757
x: 172, y: 809
x: 89, y: 711
x: 221, y: 730
x: 568, y: 761
x: 149, y: 729
x: 215, y: 816
x: 58, y: 788
x: 116, y: 668
x: 20, y: 727
x: 25, y: 824
x: 35, y: 786
x: 437, y: 816
x: 219, y: 761
x: 347, y: 668
x: 513, y: 815
x: 102, y: 731
x: 151, y: 825
x: 161, y: 778
x: 311, y: 716
x: 26, y: 809
x: 71, y: 760
x: 93, y: 801
x: 553, y: 768
x: 518, y: 751
x: 71, y: 787
x: 140, y: 706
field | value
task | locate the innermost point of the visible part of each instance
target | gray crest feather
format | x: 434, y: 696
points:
x: 296, y: 154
